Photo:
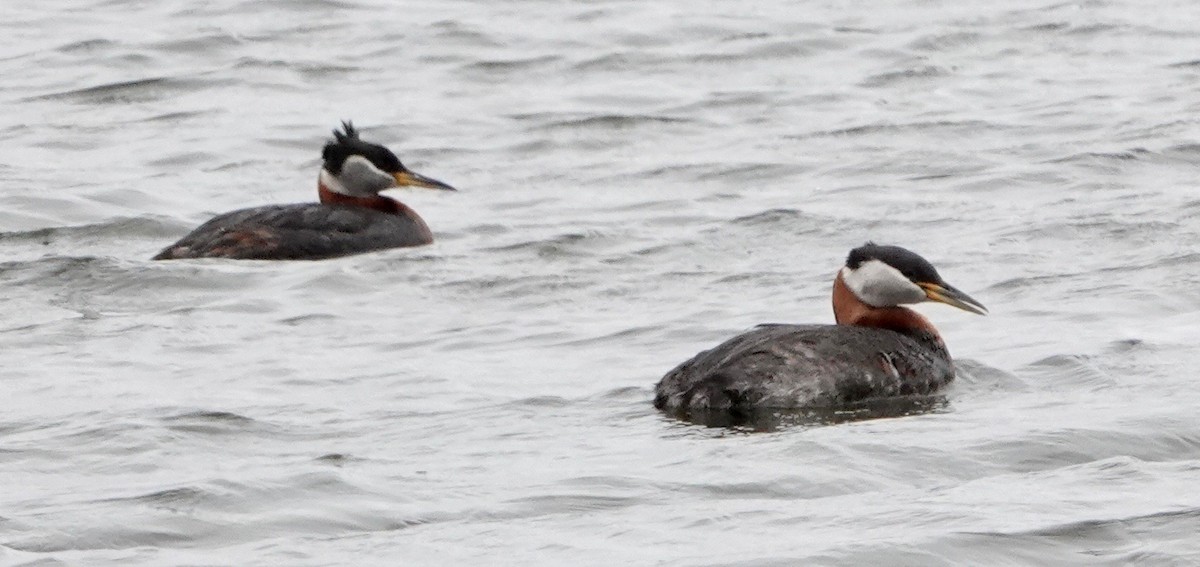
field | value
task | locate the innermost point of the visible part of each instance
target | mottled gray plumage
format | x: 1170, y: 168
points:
x: 303, y: 231
x: 805, y: 366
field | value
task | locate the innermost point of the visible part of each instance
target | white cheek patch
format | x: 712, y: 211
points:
x: 331, y: 183
x: 880, y: 285
x: 359, y: 178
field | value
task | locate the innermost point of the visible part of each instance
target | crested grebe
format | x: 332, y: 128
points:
x: 351, y: 217
x: 877, y: 349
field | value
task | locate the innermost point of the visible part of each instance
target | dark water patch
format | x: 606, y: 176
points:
x: 1098, y: 29
x: 1103, y: 158
x: 1100, y: 531
x: 135, y: 91
x: 335, y: 459
x: 642, y: 255
x: 309, y: 69
x: 1064, y: 371
x: 195, y: 44
x: 465, y: 33
x: 182, y: 116
x: 618, y: 61
x: 758, y: 50
x: 42, y: 562
x: 236, y: 165
x: 721, y: 197
x: 218, y: 423
x: 309, y: 319
x: 1189, y: 153
x: 942, y: 127
x: 110, y: 538
x: 1047, y: 27
x: 41, y: 236
x: 937, y: 176
x: 1130, y: 348
x: 299, y: 29
x: 57, y: 269
x: 15, y: 427
x: 222, y: 512
x: 516, y: 65
x: 1160, y: 538
x: 857, y: 30
x: 739, y: 37
x: 784, y: 488
x: 946, y: 41
x: 539, y: 402
x: 173, y: 499
x: 747, y: 172
x: 86, y: 46
x: 999, y: 183
x: 773, y: 217
x: 565, y: 503
x: 568, y: 245
x: 325, y: 71
x: 1070, y: 446
x: 182, y: 159
x: 490, y: 229
x: 729, y: 99
x: 612, y: 122
x: 905, y: 76
x: 92, y: 435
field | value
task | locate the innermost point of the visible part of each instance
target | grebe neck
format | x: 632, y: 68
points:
x: 376, y: 202
x: 848, y: 309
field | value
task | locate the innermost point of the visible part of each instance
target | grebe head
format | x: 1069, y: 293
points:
x: 361, y: 169
x: 887, y: 276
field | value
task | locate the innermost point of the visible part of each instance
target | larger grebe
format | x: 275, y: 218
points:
x: 351, y: 218
x: 877, y: 349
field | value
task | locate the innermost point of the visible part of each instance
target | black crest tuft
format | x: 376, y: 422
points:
x: 347, y: 143
x: 909, y: 263
x: 349, y: 132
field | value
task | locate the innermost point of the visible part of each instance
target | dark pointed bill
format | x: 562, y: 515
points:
x: 410, y: 179
x: 948, y: 294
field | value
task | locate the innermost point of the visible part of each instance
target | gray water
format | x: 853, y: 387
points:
x: 639, y: 181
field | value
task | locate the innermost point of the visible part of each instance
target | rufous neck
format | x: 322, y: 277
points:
x: 848, y: 309
x: 376, y: 202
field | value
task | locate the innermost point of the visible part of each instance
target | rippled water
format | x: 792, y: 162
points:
x: 638, y: 181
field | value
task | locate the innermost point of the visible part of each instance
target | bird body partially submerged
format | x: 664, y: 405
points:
x: 351, y: 217
x: 877, y: 350
x: 805, y: 366
x: 300, y: 231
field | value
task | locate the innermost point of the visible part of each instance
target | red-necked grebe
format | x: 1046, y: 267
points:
x: 877, y: 349
x: 351, y: 218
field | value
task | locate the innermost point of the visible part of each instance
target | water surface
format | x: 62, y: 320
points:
x: 639, y: 181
